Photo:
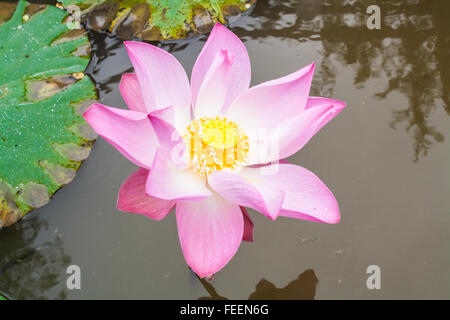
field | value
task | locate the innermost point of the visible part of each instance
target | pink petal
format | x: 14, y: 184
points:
x: 169, y: 138
x: 240, y: 71
x: 306, y: 196
x: 169, y: 182
x: 215, y: 87
x: 244, y: 189
x: 132, y: 198
x: 268, y: 104
x: 248, y: 226
x: 130, y: 132
x: 210, y: 233
x: 292, y: 134
x: 162, y: 80
x: 319, y: 102
x: 297, y: 131
x: 131, y: 92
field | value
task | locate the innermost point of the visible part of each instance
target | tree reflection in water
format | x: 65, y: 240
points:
x: 302, y: 288
x: 412, y: 50
x: 30, y: 269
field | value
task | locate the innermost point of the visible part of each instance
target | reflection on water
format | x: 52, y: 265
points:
x: 213, y: 295
x: 302, y: 288
x: 30, y: 269
x: 417, y: 66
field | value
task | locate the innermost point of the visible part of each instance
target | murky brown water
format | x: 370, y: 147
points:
x: 386, y: 158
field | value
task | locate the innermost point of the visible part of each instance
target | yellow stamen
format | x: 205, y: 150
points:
x: 214, y: 144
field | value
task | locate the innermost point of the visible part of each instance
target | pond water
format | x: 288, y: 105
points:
x: 385, y: 157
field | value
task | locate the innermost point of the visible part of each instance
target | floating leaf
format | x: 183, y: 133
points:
x: 156, y: 19
x: 43, y: 92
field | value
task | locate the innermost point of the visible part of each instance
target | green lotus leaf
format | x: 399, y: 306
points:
x: 155, y: 19
x: 43, y: 92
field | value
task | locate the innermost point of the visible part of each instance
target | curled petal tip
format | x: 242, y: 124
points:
x: 88, y: 108
x: 85, y: 113
x: 340, y: 105
x: 132, y: 46
x: 337, y: 218
x: 88, y: 111
x: 332, y: 221
x: 128, y: 43
x: 312, y: 67
x: 219, y: 25
x: 220, y: 29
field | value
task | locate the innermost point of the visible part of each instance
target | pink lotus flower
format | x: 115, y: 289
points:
x: 200, y: 146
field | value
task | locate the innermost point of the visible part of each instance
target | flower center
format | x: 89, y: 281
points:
x: 213, y: 144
